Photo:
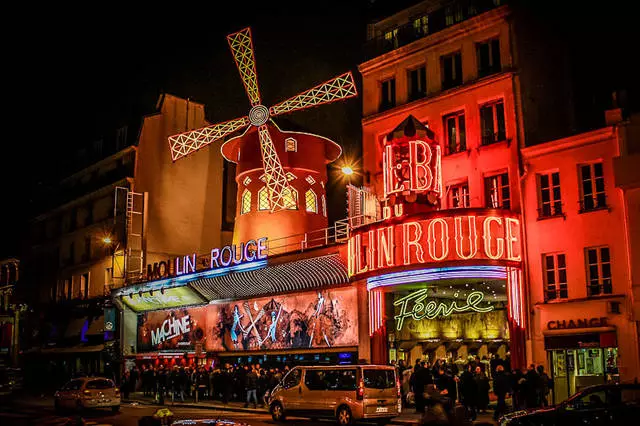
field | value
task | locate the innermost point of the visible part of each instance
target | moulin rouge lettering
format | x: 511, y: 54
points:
x: 449, y: 238
x: 432, y: 309
x: 170, y: 328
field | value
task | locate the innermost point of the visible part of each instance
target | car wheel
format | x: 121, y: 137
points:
x: 277, y: 412
x: 343, y: 416
x: 115, y: 408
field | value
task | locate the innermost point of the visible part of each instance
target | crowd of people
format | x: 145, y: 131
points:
x: 471, y: 382
x: 245, y: 383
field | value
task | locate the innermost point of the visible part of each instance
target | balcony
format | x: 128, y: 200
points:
x: 592, y: 203
x: 550, y: 210
x: 596, y: 289
x: 439, y: 20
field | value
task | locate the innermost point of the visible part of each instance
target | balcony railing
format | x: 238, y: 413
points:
x: 439, y: 20
x: 549, y: 210
x: 553, y: 293
x: 596, y: 289
x: 489, y: 138
x: 592, y: 203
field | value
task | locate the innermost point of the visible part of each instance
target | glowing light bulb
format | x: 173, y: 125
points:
x: 347, y: 170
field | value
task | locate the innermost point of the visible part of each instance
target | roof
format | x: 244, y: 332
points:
x: 304, y: 274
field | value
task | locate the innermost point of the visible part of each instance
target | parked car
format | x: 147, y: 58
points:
x: 346, y: 393
x: 88, y: 392
x: 612, y: 404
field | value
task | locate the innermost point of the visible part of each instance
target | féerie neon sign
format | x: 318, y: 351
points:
x: 432, y: 309
x: 486, y: 235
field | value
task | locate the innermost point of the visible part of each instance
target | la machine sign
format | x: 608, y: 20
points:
x: 436, y: 238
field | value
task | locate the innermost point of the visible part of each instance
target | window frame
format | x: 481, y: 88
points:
x: 245, y: 202
x: 597, y: 199
x: 313, y: 199
x: 501, y: 200
x: 600, y: 286
x: 560, y: 288
x: 263, y: 191
x: 421, y: 80
x: 461, y: 136
x: 391, y: 101
x: 554, y: 205
x: 497, y: 135
x: 288, y: 142
x: 466, y: 203
x: 456, y: 68
x: 492, y: 68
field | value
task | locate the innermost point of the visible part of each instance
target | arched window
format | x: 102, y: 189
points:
x: 290, y: 145
x: 324, y: 206
x: 311, y: 201
x: 246, y: 202
x: 263, y: 199
x: 291, y: 199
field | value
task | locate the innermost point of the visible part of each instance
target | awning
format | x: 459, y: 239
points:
x: 96, y: 326
x: 74, y: 328
x: 406, y: 346
x: 305, y: 274
x: 74, y: 349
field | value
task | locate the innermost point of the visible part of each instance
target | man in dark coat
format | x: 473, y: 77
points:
x: 422, y: 379
x: 482, y: 383
x: 469, y: 392
x: 501, y: 387
x: 531, y: 387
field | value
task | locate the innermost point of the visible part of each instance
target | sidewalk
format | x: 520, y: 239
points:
x: 409, y: 417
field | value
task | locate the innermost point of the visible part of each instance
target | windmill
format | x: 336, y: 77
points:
x: 275, y: 178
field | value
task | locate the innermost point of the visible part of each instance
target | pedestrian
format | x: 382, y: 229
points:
x: 544, y: 386
x: 482, y: 385
x: 501, y: 387
x: 468, y: 392
x: 532, y: 387
x: 251, y: 387
x: 126, y: 384
x: 423, y: 378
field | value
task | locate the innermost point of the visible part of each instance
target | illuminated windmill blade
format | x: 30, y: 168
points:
x: 280, y: 194
x: 242, y: 49
x: 341, y: 87
x: 185, y: 143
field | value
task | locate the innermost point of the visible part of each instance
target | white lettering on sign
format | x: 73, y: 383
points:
x: 171, y: 328
x: 432, y: 309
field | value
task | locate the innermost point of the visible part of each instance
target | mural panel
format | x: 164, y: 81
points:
x: 177, y: 329
x: 322, y: 319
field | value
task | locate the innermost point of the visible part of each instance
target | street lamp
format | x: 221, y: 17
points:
x: 347, y: 170
x: 107, y: 240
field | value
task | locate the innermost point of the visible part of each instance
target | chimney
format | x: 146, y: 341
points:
x: 615, y: 114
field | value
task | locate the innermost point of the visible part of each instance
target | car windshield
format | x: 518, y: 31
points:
x: 100, y: 384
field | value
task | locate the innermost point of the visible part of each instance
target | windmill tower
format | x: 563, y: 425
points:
x: 281, y: 175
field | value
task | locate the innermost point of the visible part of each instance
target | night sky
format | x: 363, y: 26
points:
x: 72, y: 73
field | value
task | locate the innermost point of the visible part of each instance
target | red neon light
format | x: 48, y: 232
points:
x: 409, y: 167
x: 376, y: 311
x: 436, y: 239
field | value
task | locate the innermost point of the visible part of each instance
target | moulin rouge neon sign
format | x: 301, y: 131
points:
x: 412, y: 166
x: 432, y: 309
x: 460, y: 238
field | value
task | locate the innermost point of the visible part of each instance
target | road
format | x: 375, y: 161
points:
x: 36, y: 412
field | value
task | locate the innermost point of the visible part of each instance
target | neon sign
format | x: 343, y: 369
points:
x: 481, y: 236
x: 233, y: 254
x: 432, y: 309
x: 411, y: 166
x: 170, y: 329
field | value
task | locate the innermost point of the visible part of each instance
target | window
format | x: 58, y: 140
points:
x: 451, y: 70
x: 324, y: 206
x: 417, y: 83
x: 84, y: 286
x: 246, y: 181
x: 555, y: 276
x: 497, y: 191
x: 73, y: 385
x: 291, y: 379
x: 246, y: 202
x: 87, y: 249
x: 459, y: 196
x: 311, y: 201
x: 100, y: 384
x: 68, y: 286
x: 290, y: 198
x: 549, y: 195
x: 598, y: 271
x: 453, y: 14
x: 310, y: 179
x: 391, y: 38
x: 290, y: 145
x: 263, y: 199
x: 455, y: 128
x: 379, y: 379
x: 421, y: 26
x: 488, y: 54
x: 492, y: 123
x: 321, y: 380
x: 388, y: 94
x: 593, y: 195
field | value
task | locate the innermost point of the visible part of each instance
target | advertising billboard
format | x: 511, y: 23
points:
x: 169, y: 298
x: 173, y: 329
x: 311, y: 320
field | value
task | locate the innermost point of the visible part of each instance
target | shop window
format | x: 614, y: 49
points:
x: 290, y: 145
x: 598, y: 271
x: 417, y: 83
x: 492, y: 123
x: 459, y: 196
x: 555, y: 276
x: 246, y: 202
x: 456, y: 140
x: 451, y: 68
x: 388, y: 94
x: 592, y: 188
x: 311, y: 201
x: 549, y: 202
x: 263, y: 199
x: 421, y: 26
x: 488, y: 54
x: 497, y: 194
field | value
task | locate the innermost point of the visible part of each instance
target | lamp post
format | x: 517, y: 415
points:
x: 348, y: 172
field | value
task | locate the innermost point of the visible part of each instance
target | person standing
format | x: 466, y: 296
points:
x: 482, y: 384
x: 501, y: 387
x: 531, y: 387
x: 468, y: 392
x: 544, y: 386
x: 251, y: 386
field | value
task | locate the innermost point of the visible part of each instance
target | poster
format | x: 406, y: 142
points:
x: 320, y: 319
x: 177, y: 329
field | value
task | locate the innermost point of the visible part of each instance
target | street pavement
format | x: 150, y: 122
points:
x: 39, y: 411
